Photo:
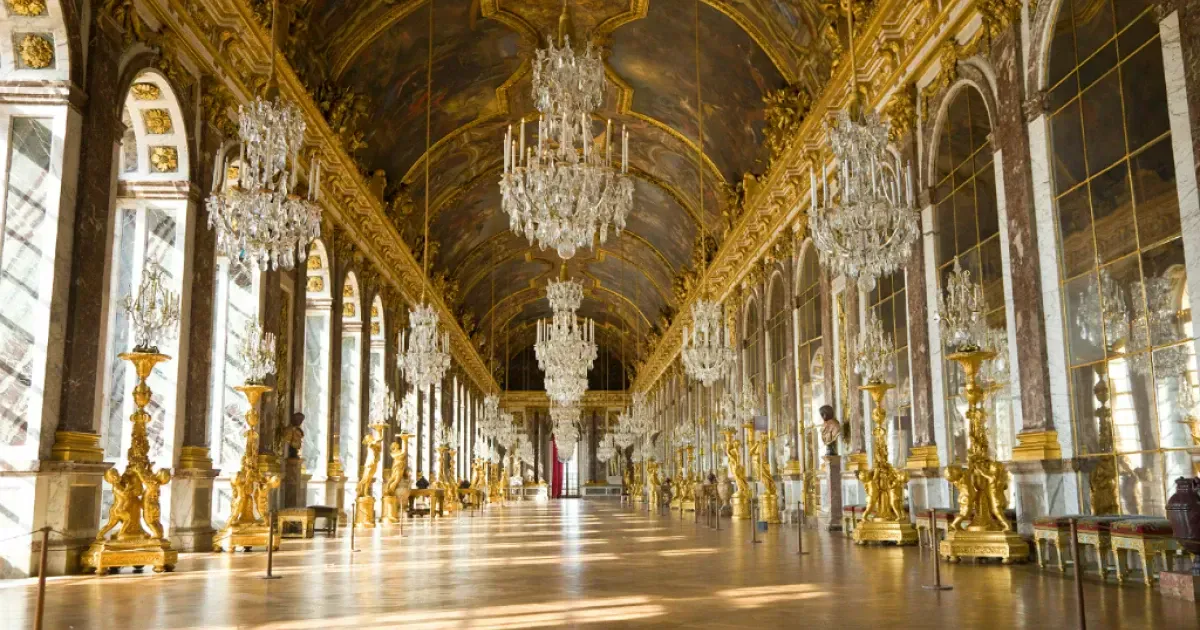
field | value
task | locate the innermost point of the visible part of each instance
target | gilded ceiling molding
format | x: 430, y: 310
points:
x: 777, y: 202
x: 592, y: 398
x: 233, y: 46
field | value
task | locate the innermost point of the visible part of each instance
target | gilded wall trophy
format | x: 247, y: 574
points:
x: 155, y: 315
x: 249, y: 524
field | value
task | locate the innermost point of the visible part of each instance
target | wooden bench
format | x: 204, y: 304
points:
x: 330, y: 514
x: 1146, y: 536
x: 305, y: 518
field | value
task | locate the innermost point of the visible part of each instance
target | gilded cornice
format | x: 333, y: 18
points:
x: 224, y: 37
x: 591, y: 399
x: 776, y: 203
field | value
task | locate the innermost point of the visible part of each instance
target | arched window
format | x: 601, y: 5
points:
x: 1129, y: 341
x: 810, y: 348
x: 316, y: 383
x: 779, y: 325
x: 752, y: 351
x: 350, y: 396
x: 968, y: 233
x: 888, y: 301
x: 151, y: 218
x: 378, y: 344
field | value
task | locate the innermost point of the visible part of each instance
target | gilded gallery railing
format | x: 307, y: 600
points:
x: 222, y: 38
x: 902, y: 40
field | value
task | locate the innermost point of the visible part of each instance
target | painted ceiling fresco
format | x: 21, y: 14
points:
x: 377, y: 50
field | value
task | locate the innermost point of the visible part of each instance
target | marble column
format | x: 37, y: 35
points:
x: 335, y: 480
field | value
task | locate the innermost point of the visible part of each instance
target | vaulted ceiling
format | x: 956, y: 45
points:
x: 377, y: 50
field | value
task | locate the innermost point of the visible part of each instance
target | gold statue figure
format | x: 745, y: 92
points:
x: 769, y: 500
x: 151, y: 512
x: 885, y: 519
x: 739, y: 503
x: 364, y: 502
x: 654, y: 481
x: 125, y: 510
x: 398, y: 485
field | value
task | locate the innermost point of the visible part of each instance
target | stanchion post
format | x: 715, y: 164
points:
x: 800, y: 530
x: 937, y: 558
x: 1078, y: 575
x: 754, y: 522
x: 352, y: 549
x: 271, y: 547
x: 41, y: 594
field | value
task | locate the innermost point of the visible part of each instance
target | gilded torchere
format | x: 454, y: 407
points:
x: 739, y: 503
x: 364, y: 502
x: 248, y: 526
x: 980, y: 529
x: 135, y: 495
x: 886, y: 516
x: 399, y: 481
x: 688, y: 481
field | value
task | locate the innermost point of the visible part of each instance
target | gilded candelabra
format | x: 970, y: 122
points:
x: 399, y: 482
x: 364, y: 502
x: 154, y: 313
x: 653, y: 483
x: 739, y: 502
x: 1102, y: 479
x: 251, y: 485
x: 688, y: 480
x: 135, y: 494
x: 886, y: 516
x: 248, y: 526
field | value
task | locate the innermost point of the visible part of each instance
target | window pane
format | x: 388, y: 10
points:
x: 1102, y: 123
x: 1066, y: 132
x: 1112, y: 212
x: 1075, y: 233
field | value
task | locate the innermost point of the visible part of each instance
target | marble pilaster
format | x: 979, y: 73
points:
x: 1015, y: 194
x: 64, y: 496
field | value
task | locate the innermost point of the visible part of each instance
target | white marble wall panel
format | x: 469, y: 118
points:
x: 1047, y: 236
x: 1014, y: 372
x: 1182, y: 143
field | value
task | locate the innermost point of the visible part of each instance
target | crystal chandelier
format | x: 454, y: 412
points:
x: 257, y: 352
x: 748, y: 404
x: 623, y: 437
x: 260, y: 218
x: 961, y: 313
x: 491, y: 415
x: 1157, y: 325
x: 727, y: 412
x: 606, y: 450
x: 565, y: 82
x: 565, y: 346
x: 426, y: 355
x: 154, y: 311
x: 564, y: 190
x: 874, y: 351
x: 384, y: 405
x: 707, y: 351
x: 565, y: 430
x: 869, y: 230
x: 685, y: 434
x: 1103, y: 315
x: 525, y: 451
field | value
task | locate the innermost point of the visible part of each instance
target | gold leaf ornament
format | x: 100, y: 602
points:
x: 27, y: 8
x: 36, y: 52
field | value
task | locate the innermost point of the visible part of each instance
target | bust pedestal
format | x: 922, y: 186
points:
x: 831, y: 494
x: 295, y: 486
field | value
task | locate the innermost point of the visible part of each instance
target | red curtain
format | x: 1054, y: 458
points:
x: 556, y: 473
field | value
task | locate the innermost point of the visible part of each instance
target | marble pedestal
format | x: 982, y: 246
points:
x: 190, y: 527
x: 830, y: 513
x: 295, y: 484
x: 63, y: 495
x: 391, y: 510
x: 364, y: 512
x: 335, y: 496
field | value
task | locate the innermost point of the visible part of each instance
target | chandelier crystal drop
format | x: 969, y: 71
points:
x: 875, y: 349
x: 257, y: 353
x: 566, y: 82
x: 707, y: 349
x: 154, y: 310
x: 961, y: 313
x: 491, y: 415
x: 426, y: 355
x: 869, y: 229
x: 566, y: 345
x: 606, y: 450
x: 259, y: 217
x: 727, y: 412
